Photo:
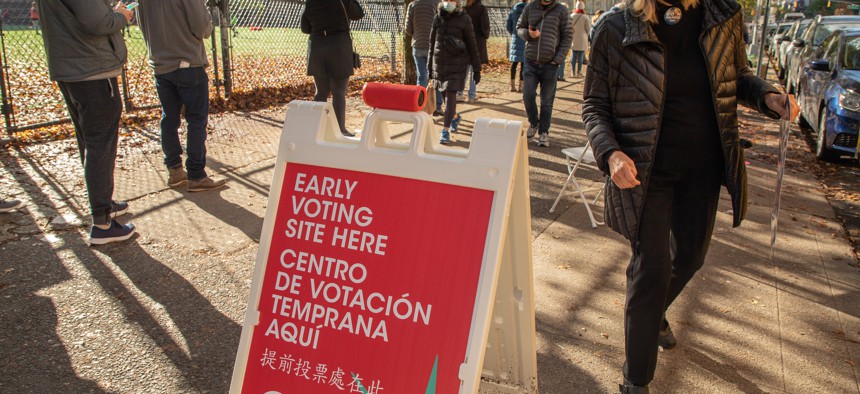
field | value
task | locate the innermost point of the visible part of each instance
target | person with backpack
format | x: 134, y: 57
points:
x: 454, y: 49
x: 518, y: 46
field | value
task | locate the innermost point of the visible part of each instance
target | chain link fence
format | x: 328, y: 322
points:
x: 257, y: 52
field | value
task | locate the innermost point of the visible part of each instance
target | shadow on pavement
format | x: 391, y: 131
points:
x: 210, y: 336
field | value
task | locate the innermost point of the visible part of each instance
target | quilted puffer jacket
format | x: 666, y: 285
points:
x: 553, y: 21
x: 623, y: 102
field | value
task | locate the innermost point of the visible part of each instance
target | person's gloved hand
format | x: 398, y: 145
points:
x: 476, y: 75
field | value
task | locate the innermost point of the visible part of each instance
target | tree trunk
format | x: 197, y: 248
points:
x: 410, y: 75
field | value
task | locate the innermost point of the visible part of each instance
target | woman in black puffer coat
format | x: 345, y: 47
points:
x: 452, y: 44
x: 330, y: 50
x: 661, y: 96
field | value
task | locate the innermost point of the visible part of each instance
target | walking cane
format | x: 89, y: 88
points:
x: 784, y: 128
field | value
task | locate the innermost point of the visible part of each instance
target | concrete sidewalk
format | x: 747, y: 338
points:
x: 163, y: 313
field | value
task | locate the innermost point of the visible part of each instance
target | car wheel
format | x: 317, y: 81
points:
x: 800, y: 119
x: 821, y: 149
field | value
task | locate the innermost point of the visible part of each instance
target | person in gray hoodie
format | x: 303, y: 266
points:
x: 86, y: 52
x: 174, y: 31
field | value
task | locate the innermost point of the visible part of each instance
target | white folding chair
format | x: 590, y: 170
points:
x: 576, y: 156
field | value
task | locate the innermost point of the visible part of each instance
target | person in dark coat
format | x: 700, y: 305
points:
x: 660, y: 107
x: 452, y: 43
x: 481, y: 24
x: 330, y: 50
x: 518, y: 46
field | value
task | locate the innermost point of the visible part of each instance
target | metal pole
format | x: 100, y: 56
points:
x: 214, y: 12
x: 125, y: 96
x: 7, y: 105
x: 763, y: 37
x: 394, y: 36
x: 226, y: 48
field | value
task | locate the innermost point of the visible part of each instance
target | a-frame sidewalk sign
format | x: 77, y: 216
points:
x: 389, y: 267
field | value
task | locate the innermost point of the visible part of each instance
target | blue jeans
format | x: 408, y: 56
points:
x: 545, y: 75
x: 473, y: 91
x: 421, y: 57
x: 95, y: 108
x: 576, y: 62
x: 561, y: 73
x: 188, y: 87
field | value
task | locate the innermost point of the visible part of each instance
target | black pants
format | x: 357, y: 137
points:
x: 514, y: 71
x: 450, y: 107
x: 336, y: 88
x: 674, y: 234
x: 95, y: 108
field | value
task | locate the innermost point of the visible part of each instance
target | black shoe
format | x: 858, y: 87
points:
x: 631, y: 389
x: 438, y: 113
x: 666, y: 340
x: 115, y: 233
x: 118, y: 208
x: 347, y: 134
x: 562, y: 80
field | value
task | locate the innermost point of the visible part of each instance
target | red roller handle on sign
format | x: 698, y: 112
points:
x: 397, y: 97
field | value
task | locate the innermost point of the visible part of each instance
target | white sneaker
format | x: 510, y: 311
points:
x: 530, y: 133
x: 543, y: 140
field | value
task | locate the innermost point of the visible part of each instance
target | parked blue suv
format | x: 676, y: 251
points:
x: 829, y: 94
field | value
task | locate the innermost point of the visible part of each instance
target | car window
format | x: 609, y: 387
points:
x: 793, y: 29
x: 802, y: 29
x: 851, y: 60
x: 832, y: 52
x: 823, y: 30
x: 822, y: 51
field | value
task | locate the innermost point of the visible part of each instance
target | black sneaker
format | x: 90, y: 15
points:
x: 115, y: 233
x: 666, y: 340
x: 118, y: 208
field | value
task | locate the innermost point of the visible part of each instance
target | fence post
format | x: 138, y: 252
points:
x: 125, y: 96
x: 394, y: 36
x: 226, y: 48
x: 213, y: 11
x: 6, y: 106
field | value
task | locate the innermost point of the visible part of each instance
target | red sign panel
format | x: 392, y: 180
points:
x: 369, y: 286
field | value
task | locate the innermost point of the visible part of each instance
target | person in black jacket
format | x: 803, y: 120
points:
x: 330, y: 50
x: 481, y: 23
x: 660, y: 108
x: 452, y: 43
x: 545, y: 27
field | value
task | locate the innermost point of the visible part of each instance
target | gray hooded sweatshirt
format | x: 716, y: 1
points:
x: 174, y: 31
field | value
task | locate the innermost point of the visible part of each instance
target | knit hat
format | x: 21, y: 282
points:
x: 579, y: 5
